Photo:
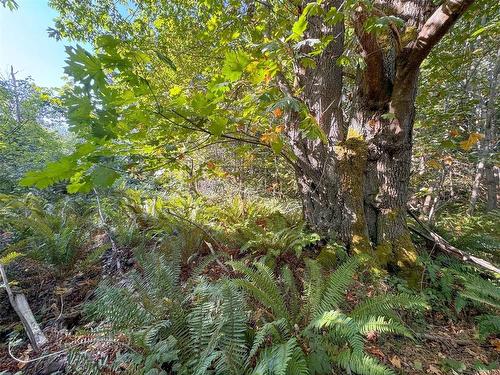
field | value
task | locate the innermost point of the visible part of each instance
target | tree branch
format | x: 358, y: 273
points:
x: 373, y: 74
x: 449, y: 249
x: 436, y: 26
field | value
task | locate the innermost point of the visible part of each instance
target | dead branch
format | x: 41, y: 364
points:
x: 443, y: 245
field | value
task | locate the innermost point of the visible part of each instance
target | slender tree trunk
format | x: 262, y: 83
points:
x: 16, y: 96
x: 490, y: 137
x: 485, y: 166
x: 491, y: 175
x: 476, y: 185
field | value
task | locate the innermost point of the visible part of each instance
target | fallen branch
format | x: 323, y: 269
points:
x: 22, y: 309
x: 445, y: 339
x: 217, y: 260
x: 449, y: 249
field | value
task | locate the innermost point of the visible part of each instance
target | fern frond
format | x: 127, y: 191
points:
x: 342, y: 327
x: 488, y: 325
x: 313, y: 287
x: 275, y: 360
x: 481, y: 291
x: 293, y: 296
x: 336, y: 286
x: 382, y: 325
x: 298, y: 363
x: 80, y: 363
x: 277, y: 329
x: 232, y: 328
x: 260, y: 283
x: 362, y: 364
x: 384, y: 305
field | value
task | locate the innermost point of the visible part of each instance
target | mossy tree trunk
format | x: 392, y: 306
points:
x: 354, y: 183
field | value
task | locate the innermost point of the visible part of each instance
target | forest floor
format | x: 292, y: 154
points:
x: 444, y: 346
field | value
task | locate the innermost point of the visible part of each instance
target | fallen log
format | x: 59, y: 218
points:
x: 22, y: 309
x: 444, y: 246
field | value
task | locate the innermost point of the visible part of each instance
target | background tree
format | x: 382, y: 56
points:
x: 31, y: 129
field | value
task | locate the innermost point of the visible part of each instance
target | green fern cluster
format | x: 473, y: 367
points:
x: 486, y: 295
x: 203, y: 327
x: 454, y: 284
x: 50, y: 233
x: 310, y: 333
x: 196, y: 329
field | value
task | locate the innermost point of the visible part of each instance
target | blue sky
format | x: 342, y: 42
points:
x: 25, y: 44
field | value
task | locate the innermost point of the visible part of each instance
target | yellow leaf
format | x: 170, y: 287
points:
x: 433, y: 163
x: 279, y: 129
x: 471, y: 141
x: 269, y: 137
x: 396, y: 362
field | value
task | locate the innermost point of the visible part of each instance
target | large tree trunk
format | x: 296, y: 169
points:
x: 354, y: 183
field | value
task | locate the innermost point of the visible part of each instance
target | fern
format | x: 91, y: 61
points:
x: 481, y: 291
x: 382, y: 325
x: 277, y: 329
x: 260, y: 283
x: 278, y: 359
x: 362, y: 364
x: 488, y: 325
x: 332, y: 336
x: 336, y: 286
x: 384, y: 305
x: 342, y: 328
x: 80, y: 363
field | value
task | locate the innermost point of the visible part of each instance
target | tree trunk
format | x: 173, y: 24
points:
x: 485, y: 166
x: 476, y: 185
x: 491, y: 175
x: 354, y: 182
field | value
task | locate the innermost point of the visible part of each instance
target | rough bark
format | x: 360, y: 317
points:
x: 354, y: 184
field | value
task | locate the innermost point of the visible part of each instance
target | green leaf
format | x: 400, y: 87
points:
x: 277, y: 145
x: 103, y: 176
x: 298, y: 29
x: 234, y: 65
x: 300, y: 26
x: 217, y: 125
x: 9, y: 258
x: 54, y: 172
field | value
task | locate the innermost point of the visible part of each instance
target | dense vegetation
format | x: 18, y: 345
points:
x: 255, y: 187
